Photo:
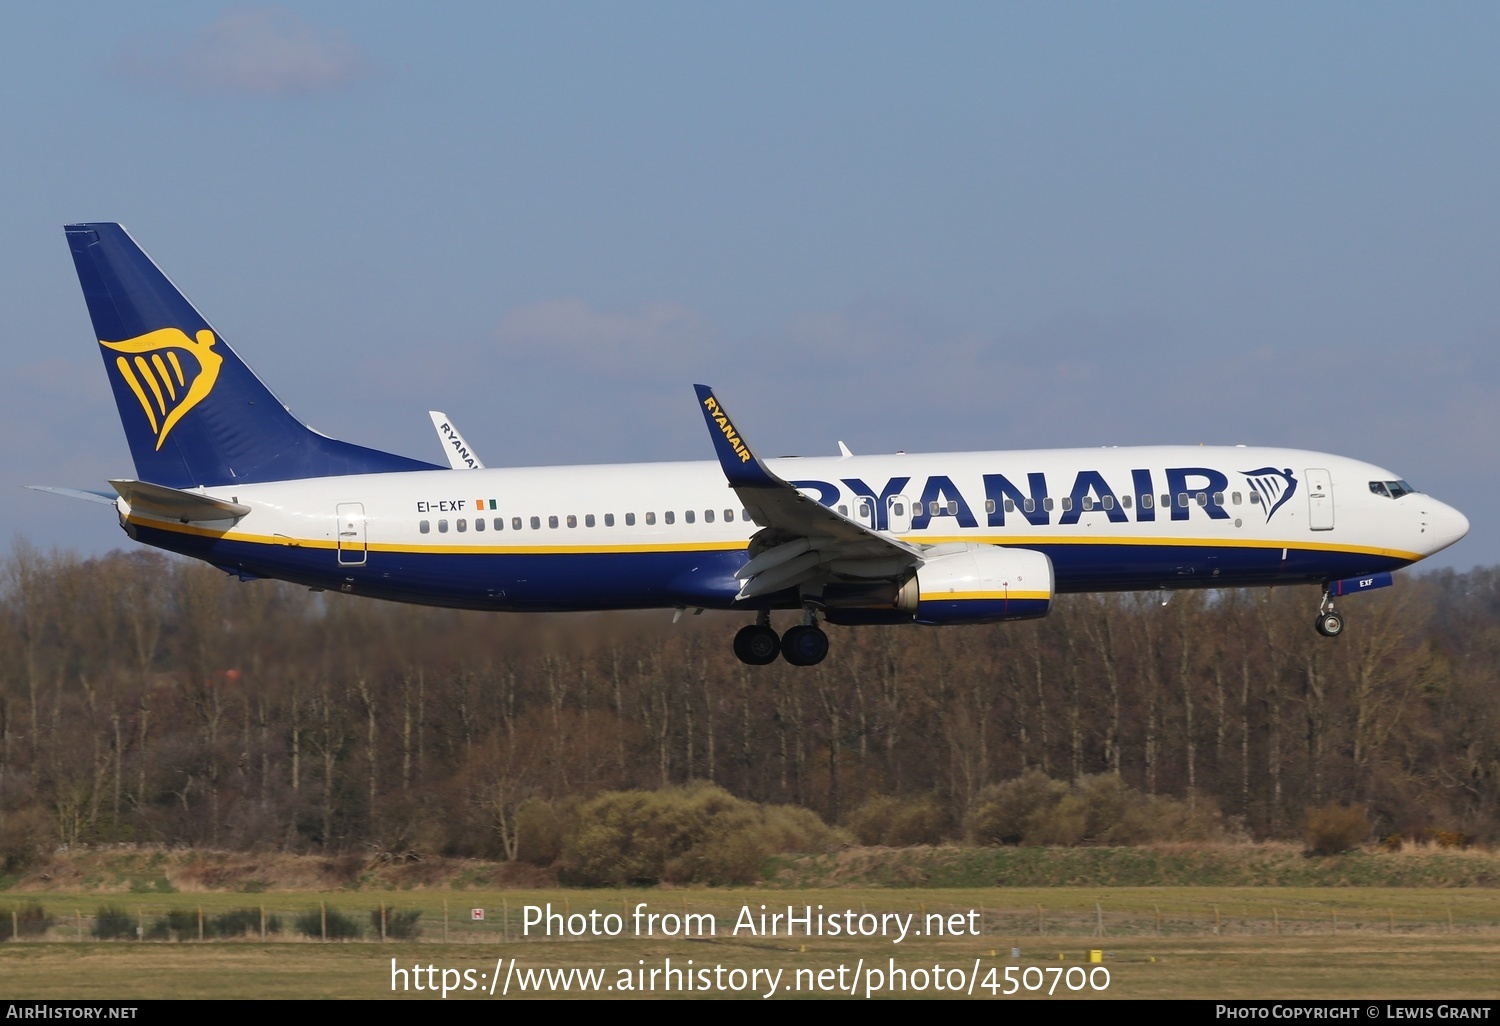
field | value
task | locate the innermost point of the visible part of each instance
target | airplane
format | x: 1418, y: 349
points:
x: 226, y: 474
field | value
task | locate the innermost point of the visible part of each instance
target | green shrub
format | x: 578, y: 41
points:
x: 25, y: 836
x: 340, y: 926
x: 1014, y: 811
x: 694, y: 834
x: 1102, y: 810
x: 111, y: 922
x: 540, y: 830
x: 1062, y: 824
x: 240, y: 922
x: 1336, y: 828
x: 180, y: 924
x: 399, y: 924
x: 897, y: 822
x: 30, y: 920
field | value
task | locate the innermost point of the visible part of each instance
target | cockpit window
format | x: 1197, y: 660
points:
x: 1391, y: 489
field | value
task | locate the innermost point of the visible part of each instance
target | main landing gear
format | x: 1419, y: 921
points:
x: 1330, y: 624
x: 802, y: 645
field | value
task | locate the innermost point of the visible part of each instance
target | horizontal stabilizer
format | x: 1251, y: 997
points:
x: 76, y: 493
x: 174, y: 504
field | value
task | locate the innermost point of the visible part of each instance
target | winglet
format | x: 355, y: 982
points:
x: 741, y: 466
x: 455, y: 446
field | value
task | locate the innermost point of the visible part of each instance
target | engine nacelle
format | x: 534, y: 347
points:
x: 970, y: 584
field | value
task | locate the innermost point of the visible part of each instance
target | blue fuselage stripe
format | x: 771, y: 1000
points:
x: 656, y: 579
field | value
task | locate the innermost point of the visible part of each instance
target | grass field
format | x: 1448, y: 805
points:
x: 1167, y: 942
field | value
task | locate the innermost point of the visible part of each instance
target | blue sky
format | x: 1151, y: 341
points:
x: 953, y: 226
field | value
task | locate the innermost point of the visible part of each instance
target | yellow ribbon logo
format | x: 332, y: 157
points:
x: 168, y: 392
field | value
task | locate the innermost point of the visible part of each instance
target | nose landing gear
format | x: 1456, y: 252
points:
x: 1329, y: 623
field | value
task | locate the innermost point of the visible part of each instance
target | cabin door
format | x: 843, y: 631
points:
x: 351, y: 533
x: 1319, y: 500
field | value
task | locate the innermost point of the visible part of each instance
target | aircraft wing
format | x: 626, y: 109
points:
x: 800, y: 539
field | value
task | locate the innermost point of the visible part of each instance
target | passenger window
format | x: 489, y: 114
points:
x: 463, y: 525
x: 1067, y: 503
x: 479, y: 523
x: 1148, y: 502
x: 425, y: 526
x: 899, y: 509
x: 1255, y: 498
x: 442, y: 527
x: 744, y: 514
x: 1236, y: 498
x: 1108, y: 502
x: 708, y: 516
x: 1124, y: 502
x: 536, y: 523
x: 1182, y: 499
x: 552, y: 521
x: 864, y: 510
x: 668, y: 517
x: 932, y: 508
x: 609, y: 520
x: 989, y: 505
x: 689, y: 516
x: 1010, y: 506
x: 572, y: 520
x: 953, y: 507
x: 1047, y: 504
x: 1218, y: 498
x: 629, y: 519
x: 588, y: 521
x: 1088, y: 502
x: 1166, y: 500
x: 515, y: 523
x: 650, y: 519
x: 499, y: 523
x: 729, y: 516
x: 843, y: 511
x: 1029, y: 505
x: 1202, y: 498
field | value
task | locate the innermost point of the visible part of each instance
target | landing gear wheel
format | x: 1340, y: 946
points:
x: 804, y: 645
x: 757, y: 645
x: 1330, y: 625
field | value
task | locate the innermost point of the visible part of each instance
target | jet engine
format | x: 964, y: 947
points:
x: 961, y: 585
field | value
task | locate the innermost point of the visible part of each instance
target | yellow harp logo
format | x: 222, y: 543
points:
x: 152, y: 366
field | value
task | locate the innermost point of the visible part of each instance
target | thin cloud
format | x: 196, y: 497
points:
x: 254, y: 51
x: 652, y: 334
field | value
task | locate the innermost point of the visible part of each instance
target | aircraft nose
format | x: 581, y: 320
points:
x: 1442, y: 525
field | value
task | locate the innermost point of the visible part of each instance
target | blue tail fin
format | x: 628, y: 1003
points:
x: 194, y: 414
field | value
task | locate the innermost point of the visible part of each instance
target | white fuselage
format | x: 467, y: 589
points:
x: 662, y: 534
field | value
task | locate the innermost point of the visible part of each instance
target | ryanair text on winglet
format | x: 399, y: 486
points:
x: 729, y: 432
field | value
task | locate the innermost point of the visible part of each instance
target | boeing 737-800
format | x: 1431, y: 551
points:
x: 225, y: 473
